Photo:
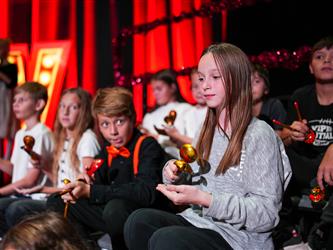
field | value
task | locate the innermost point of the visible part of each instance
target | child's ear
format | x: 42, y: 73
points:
x: 174, y: 87
x: 40, y: 104
x: 311, y: 70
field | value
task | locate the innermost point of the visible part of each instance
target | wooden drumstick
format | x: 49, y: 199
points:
x: 66, y: 181
x: 283, y: 125
x: 298, y: 111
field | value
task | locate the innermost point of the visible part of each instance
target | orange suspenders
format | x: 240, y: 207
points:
x: 136, y: 154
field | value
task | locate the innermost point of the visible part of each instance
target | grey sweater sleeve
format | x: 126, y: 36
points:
x: 264, y: 173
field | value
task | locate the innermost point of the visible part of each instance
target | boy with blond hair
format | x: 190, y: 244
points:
x: 127, y: 179
x: 29, y: 102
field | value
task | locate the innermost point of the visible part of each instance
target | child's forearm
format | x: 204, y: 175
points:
x: 6, y: 166
x: 11, y: 188
x: 183, y: 139
x: 51, y: 190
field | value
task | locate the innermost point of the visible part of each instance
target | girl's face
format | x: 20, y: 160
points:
x: 321, y: 65
x: 163, y: 92
x: 69, y: 110
x: 259, y: 89
x: 211, y: 82
x: 196, y: 90
x: 117, y: 130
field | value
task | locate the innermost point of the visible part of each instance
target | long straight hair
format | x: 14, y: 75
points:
x: 84, y: 122
x: 235, y: 70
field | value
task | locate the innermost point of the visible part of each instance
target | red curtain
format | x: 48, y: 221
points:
x: 72, y: 73
x: 4, y: 7
x: 89, y: 47
x: 160, y: 49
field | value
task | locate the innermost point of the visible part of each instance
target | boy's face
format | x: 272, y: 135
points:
x: 259, y: 89
x: 321, y: 65
x: 24, y: 106
x: 117, y: 130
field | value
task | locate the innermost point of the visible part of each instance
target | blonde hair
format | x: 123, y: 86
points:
x: 47, y: 230
x: 84, y: 121
x: 113, y: 102
x: 235, y: 69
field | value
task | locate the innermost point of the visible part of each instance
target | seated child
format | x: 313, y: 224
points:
x: 235, y: 204
x: 29, y: 102
x: 166, y: 92
x: 127, y: 179
x: 75, y: 147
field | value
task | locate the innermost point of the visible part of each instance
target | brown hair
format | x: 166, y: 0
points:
x: 263, y: 73
x: 169, y: 77
x: 36, y: 90
x: 47, y: 230
x: 326, y: 42
x: 84, y: 122
x: 235, y: 69
x: 113, y: 102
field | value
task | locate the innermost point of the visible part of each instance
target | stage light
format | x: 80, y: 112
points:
x: 18, y: 54
x: 11, y: 59
x: 48, y: 61
x: 45, y: 78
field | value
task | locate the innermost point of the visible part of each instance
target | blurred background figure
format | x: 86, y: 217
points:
x: 166, y: 92
x: 8, y: 81
x: 194, y: 117
x: 264, y: 107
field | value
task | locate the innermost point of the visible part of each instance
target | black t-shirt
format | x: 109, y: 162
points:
x: 272, y: 108
x: 319, y: 117
x: 10, y: 70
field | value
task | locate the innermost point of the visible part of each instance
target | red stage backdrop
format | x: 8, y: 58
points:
x: 177, y: 46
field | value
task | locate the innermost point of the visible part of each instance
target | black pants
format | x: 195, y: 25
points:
x: 7, y: 207
x: 304, y: 170
x: 160, y: 230
x: 89, y: 218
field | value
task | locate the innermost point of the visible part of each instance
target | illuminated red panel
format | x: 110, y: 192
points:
x: 19, y: 55
x: 48, y: 66
x: 224, y: 25
x: 151, y: 50
x: 183, y: 42
x: 139, y: 51
x: 4, y: 7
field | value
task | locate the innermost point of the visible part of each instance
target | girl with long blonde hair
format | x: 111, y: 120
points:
x: 235, y: 202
